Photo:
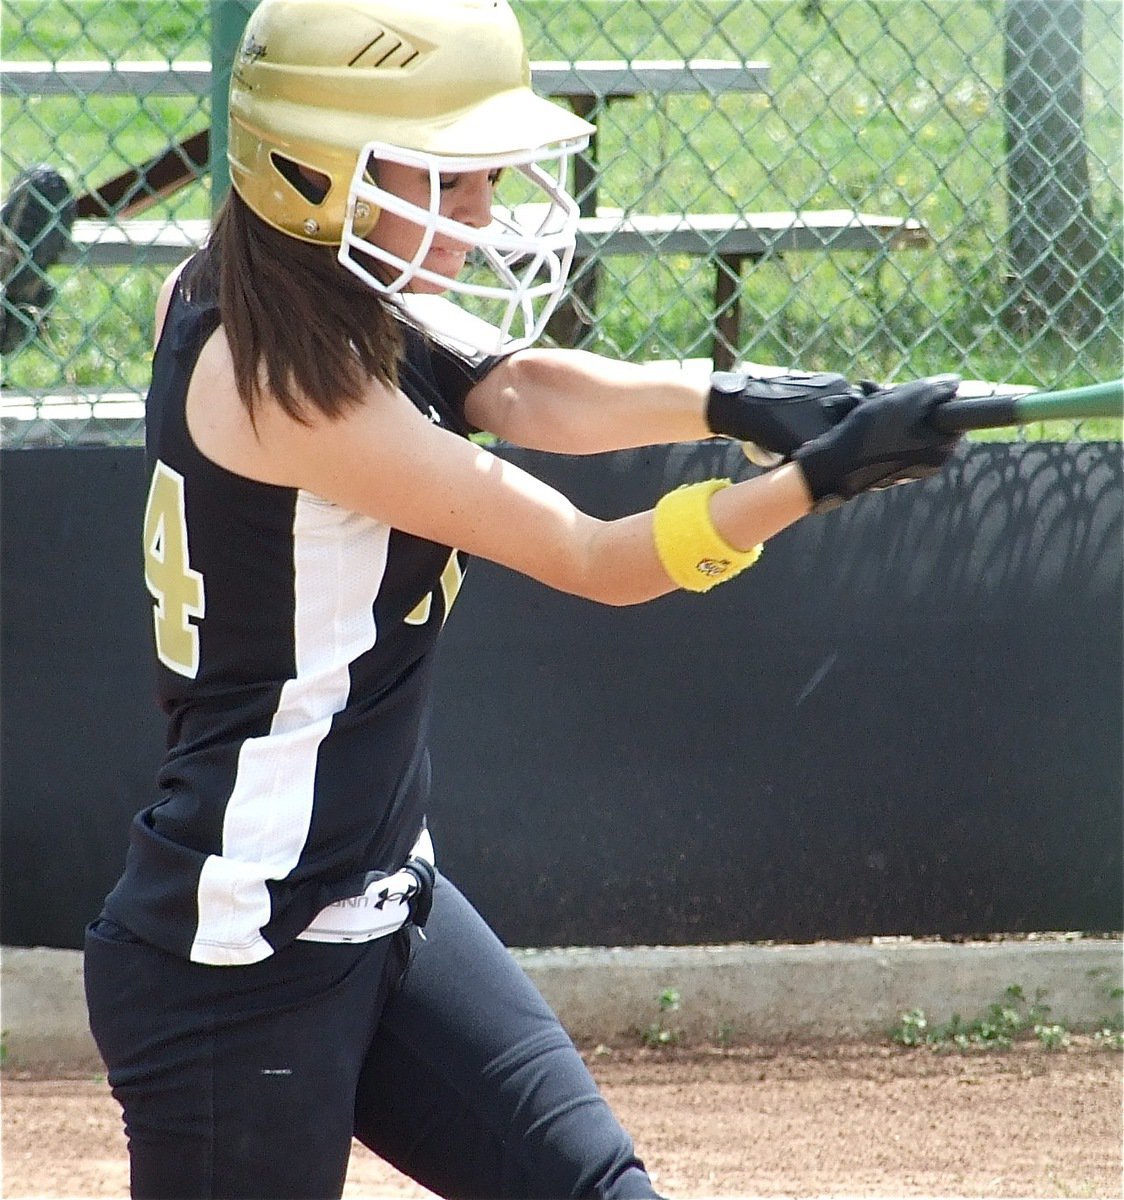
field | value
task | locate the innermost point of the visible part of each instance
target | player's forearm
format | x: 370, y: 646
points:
x: 754, y: 511
x: 572, y: 402
x: 623, y: 565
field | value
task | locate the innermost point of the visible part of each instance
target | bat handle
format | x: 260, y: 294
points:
x: 994, y: 412
x: 977, y: 412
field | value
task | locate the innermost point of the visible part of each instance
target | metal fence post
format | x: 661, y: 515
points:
x: 228, y: 19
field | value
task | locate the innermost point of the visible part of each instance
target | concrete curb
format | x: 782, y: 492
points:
x: 742, y: 992
x: 833, y: 990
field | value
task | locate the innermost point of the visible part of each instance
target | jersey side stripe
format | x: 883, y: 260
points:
x: 268, y: 815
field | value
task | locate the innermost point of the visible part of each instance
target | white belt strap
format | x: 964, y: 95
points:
x: 383, y: 908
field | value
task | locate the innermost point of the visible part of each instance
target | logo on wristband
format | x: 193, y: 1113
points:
x: 712, y: 568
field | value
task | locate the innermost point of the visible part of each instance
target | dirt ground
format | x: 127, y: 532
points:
x: 855, y: 1120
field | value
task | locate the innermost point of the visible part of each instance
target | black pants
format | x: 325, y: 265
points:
x: 251, y: 1081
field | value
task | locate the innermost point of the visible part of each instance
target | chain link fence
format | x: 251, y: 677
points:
x: 887, y: 188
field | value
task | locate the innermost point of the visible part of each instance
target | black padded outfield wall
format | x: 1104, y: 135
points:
x: 906, y: 719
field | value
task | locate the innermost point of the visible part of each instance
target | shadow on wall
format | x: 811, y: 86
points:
x: 905, y: 719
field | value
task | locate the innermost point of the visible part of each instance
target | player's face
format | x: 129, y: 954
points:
x: 465, y: 197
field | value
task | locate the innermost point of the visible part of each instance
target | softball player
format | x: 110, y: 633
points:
x: 259, y: 983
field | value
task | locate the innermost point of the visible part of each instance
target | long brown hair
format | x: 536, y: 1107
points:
x: 300, y: 326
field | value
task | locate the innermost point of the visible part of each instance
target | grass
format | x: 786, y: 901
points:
x: 660, y: 1033
x: 887, y: 105
x: 1006, y: 1021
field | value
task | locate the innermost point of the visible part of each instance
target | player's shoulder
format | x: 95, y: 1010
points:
x: 164, y: 298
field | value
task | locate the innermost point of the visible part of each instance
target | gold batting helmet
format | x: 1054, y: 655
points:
x: 329, y: 85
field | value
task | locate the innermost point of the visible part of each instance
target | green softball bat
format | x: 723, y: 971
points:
x: 997, y: 411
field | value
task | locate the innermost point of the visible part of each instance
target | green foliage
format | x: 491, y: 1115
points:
x: 996, y: 1029
x: 858, y: 116
x: 659, y: 1034
x: 1052, y: 1037
x: 1011, y: 1019
x: 98, y: 29
x: 887, y: 106
x: 97, y: 337
x: 911, y: 1029
x: 1110, y: 1035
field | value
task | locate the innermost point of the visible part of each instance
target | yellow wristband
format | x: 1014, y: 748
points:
x: 693, y: 553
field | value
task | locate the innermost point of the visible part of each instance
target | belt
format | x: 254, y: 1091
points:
x: 384, y: 906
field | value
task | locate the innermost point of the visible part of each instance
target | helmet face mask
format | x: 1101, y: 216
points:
x: 319, y: 86
x: 521, y: 260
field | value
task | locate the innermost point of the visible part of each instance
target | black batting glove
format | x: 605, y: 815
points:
x: 780, y: 413
x: 885, y: 439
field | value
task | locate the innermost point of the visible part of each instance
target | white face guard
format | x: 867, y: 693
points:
x: 522, y: 258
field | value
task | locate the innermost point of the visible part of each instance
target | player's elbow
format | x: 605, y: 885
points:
x: 617, y: 566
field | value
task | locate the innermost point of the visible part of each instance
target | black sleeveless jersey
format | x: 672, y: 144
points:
x: 294, y: 642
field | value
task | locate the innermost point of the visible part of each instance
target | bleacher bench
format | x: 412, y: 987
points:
x: 727, y: 239
x: 733, y: 236
x: 730, y: 239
